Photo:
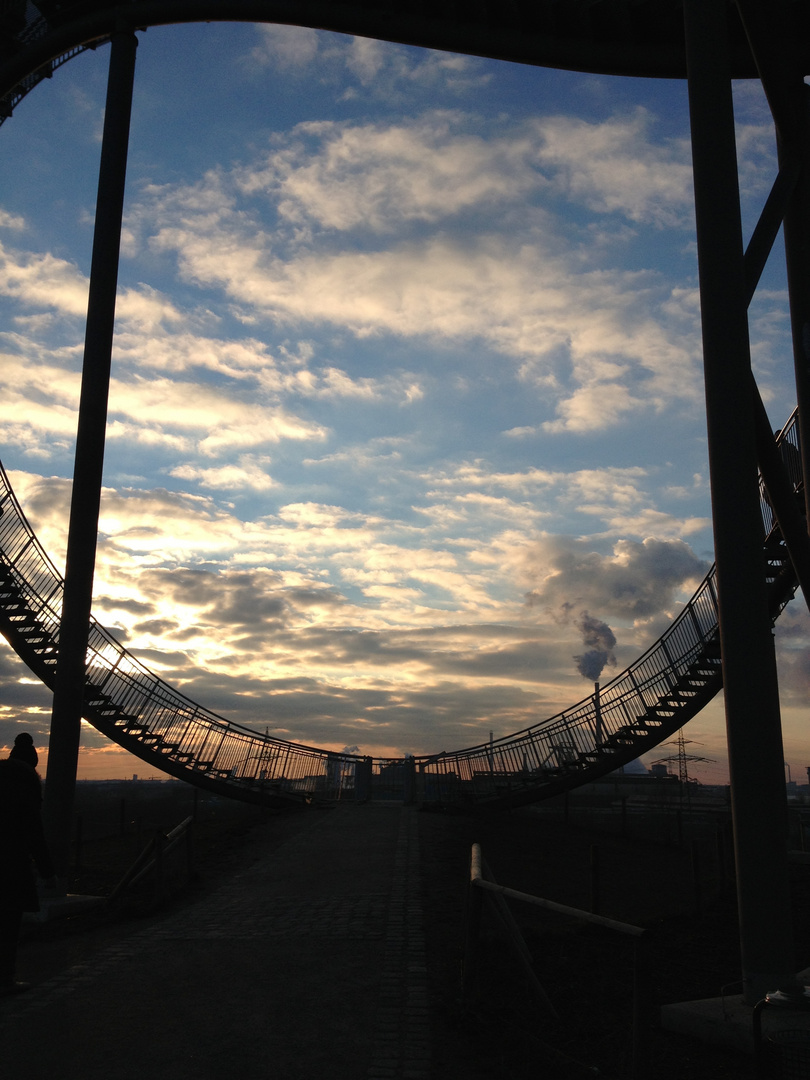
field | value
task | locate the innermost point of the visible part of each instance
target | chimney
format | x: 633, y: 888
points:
x: 598, y: 705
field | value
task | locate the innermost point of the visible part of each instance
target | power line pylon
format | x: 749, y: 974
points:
x: 682, y: 758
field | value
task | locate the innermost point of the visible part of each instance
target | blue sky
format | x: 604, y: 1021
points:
x: 407, y: 378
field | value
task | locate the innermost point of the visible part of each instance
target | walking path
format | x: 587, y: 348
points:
x: 309, y: 963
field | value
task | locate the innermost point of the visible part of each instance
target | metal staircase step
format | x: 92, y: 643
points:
x: 130, y: 724
x: 23, y: 620
x: 676, y: 688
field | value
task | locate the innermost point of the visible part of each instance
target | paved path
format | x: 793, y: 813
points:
x: 309, y: 964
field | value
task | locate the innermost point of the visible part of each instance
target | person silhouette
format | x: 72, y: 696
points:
x: 22, y: 839
x: 24, y: 750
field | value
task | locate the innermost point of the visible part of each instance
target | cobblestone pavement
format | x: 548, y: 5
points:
x: 309, y: 963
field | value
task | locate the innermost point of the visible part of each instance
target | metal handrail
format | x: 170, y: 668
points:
x: 658, y: 688
x: 133, y: 705
x: 129, y: 703
x: 477, y: 880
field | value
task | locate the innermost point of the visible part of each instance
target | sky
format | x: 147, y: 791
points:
x: 407, y: 392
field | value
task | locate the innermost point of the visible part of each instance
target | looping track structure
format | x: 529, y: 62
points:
x: 617, y: 37
x: 128, y: 703
x: 638, y: 709
x: 708, y: 43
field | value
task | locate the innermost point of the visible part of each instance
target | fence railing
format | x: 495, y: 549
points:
x: 661, y: 687
x: 132, y: 705
x: 482, y: 888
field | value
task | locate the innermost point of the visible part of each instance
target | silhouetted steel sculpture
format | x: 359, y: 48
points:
x: 638, y: 709
x: 708, y: 42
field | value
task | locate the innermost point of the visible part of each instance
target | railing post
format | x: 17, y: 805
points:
x: 63, y: 749
x: 595, y: 880
x: 697, y: 883
x: 362, y: 780
x: 409, y: 781
x: 189, y: 851
x: 160, y: 841
x: 472, y: 928
x: 78, y: 843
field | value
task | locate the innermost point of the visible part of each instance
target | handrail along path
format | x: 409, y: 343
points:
x: 131, y: 705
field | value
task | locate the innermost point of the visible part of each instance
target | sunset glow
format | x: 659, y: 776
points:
x: 407, y: 387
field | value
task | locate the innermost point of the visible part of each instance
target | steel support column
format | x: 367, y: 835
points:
x: 63, y: 748
x: 753, y: 723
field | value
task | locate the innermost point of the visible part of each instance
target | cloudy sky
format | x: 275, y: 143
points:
x: 407, y: 386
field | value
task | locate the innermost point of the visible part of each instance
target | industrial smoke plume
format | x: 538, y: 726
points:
x: 600, y: 642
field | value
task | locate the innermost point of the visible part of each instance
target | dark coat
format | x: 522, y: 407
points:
x: 21, y: 836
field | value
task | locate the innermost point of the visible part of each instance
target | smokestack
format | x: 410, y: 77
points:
x: 598, y: 705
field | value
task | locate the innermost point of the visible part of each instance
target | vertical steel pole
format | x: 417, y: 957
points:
x: 63, y: 747
x: 753, y: 723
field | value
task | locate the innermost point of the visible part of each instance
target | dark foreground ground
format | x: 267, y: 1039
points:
x: 690, y: 951
x: 678, y: 889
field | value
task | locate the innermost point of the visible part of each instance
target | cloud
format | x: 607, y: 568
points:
x: 318, y: 650
x: 251, y: 473
x: 285, y: 47
x: 43, y: 281
x: 11, y: 221
x: 636, y: 581
x: 614, y: 167
x: 360, y: 393
x: 522, y: 302
x: 341, y: 176
x: 362, y: 67
x: 616, y: 501
x: 213, y: 419
x: 792, y: 637
x: 378, y: 176
x: 587, y: 407
x: 583, y: 335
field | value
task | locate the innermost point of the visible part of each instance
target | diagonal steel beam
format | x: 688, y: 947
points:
x: 778, y: 485
x: 781, y: 72
x: 770, y: 222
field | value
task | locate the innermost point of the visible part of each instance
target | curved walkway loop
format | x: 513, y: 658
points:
x: 310, y: 962
x: 643, y: 40
x: 634, y: 712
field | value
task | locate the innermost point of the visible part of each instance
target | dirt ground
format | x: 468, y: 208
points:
x: 497, y: 1027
